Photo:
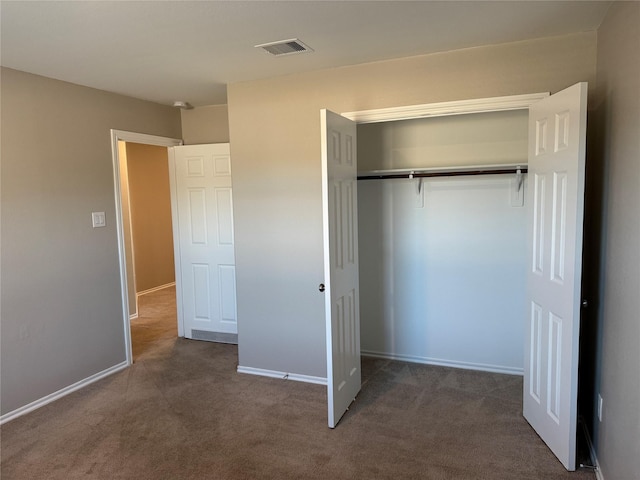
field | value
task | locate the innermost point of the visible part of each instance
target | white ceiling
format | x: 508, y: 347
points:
x: 190, y: 50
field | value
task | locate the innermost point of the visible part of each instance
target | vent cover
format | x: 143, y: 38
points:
x: 285, y: 47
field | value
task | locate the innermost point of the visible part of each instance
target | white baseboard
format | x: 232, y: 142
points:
x: 155, y: 289
x: 133, y: 316
x: 282, y: 375
x: 445, y: 363
x: 18, y: 412
x: 592, y: 453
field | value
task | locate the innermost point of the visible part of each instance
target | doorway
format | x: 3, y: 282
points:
x: 338, y: 139
x: 129, y: 299
x: 148, y: 232
x: 201, y: 203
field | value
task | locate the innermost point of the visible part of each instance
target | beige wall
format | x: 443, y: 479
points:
x: 150, y: 199
x: 126, y: 228
x: 61, y: 301
x: 275, y: 145
x: 617, y: 118
x: 205, y: 125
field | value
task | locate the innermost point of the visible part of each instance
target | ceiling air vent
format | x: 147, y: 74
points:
x: 285, y: 47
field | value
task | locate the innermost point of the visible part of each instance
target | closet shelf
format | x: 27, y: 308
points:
x: 444, y: 171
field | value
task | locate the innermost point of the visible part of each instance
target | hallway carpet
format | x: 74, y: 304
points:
x: 156, y: 320
x: 182, y: 412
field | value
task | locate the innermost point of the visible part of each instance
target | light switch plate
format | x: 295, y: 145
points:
x: 98, y: 219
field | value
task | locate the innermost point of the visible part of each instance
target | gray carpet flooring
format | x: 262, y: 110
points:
x: 182, y: 412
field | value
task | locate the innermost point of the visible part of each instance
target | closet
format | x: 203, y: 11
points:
x: 468, y: 267
x: 443, y: 257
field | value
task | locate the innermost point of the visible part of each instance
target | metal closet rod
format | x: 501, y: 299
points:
x: 442, y: 173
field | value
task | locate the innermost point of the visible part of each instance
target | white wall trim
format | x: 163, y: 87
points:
x: 459, y: 107
x: 133, y: 316
x: 156, y: 289
x: 592, y: 452
x: 18, y: 412
x: 143, y: 138
x: 175, y: 219
x: 282, y: 375
x: 446, y: 363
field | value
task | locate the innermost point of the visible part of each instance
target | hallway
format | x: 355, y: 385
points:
x: 156, y: 322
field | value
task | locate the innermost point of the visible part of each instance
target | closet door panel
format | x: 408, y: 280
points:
x: 557, y: 162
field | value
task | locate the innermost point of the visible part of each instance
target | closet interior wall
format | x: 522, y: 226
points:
x: 442, y: 260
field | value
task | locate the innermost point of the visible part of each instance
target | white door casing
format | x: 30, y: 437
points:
x: 557, y: 143
x: 340, y: 236
x: 118, y: 136
x: 203, y: 241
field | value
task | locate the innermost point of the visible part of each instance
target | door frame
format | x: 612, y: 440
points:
x: 429, y: 110
x: 442, y: 109
x: 145, y: 139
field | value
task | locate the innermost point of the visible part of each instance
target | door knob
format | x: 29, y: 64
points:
x: 321, y: 287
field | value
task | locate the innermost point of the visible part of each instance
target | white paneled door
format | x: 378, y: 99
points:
x: 557, y: 138
x: 205, y: 256
x: 340, y: 232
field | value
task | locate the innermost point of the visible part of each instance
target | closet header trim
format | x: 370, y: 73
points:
x: 459, y: 107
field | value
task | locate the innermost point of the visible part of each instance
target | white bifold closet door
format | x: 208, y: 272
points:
x: 557, y: 139
x: 340, y: 232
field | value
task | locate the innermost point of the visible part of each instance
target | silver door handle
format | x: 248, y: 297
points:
x: 321, y: 287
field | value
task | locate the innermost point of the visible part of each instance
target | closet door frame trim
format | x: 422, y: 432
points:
x: 442, y: 109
